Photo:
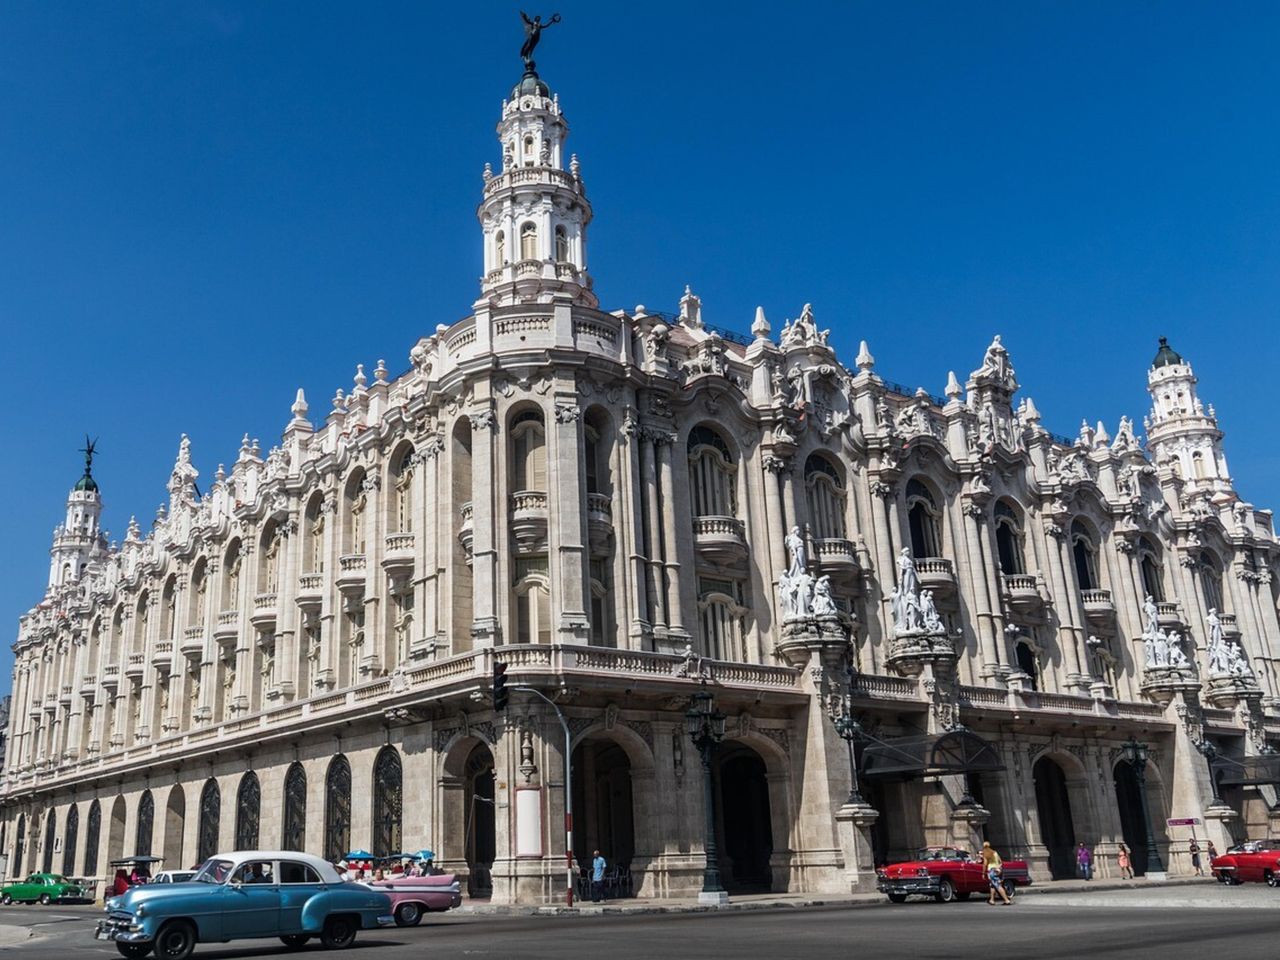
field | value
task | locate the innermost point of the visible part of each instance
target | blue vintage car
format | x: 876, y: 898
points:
x: 238, y: 896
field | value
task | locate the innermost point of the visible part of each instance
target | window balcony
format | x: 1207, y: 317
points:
x: 1230, y: 628
x: 193, y: 642
x: 1022, y: 591
x: 466, y: 531
x: 64, y: 695
x: 1169, y: 615
x: 353, y: 571
x: 265, y: 606
x: 111, y: 676
x: 937, y: 574
x: 136, y: 666
x: 398, y: 558
x: 836, y: 557
x: 529, y: 520
x: 599, y: 522
x: 310, y: 590
x: 1098, y: 606
x: 88, y: 685
x: 721, y: 540
x: 162, y: 656
x: 228, y: 625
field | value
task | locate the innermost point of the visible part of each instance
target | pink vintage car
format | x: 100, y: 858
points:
x: 411, y: 896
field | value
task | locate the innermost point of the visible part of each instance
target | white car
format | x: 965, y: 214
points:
x: 173, y: 876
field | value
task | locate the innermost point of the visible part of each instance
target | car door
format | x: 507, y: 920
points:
x: 298, y: 884
x: 252, y: 900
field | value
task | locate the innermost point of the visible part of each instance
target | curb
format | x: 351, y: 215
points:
x: 11, y: 936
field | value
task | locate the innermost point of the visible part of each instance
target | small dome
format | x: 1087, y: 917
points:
x: 1166, y: 356
x: 86, y: 484
x: 530, y: 85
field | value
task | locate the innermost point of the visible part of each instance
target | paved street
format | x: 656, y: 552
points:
x: 1172, y: 924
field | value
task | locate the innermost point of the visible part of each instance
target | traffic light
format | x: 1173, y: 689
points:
x: 500, y: 695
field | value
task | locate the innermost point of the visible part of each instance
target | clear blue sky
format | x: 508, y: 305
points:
x: 204, y: 205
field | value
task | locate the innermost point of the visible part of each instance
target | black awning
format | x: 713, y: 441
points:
x: 931, y: 755
x: 1247, y: 771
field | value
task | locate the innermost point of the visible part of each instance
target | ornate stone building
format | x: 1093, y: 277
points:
x: 625, y: 506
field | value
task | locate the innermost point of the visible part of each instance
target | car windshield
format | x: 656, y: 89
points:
x: 213, y: 871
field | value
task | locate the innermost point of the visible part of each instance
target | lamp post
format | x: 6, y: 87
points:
x: 706, y: 729
x: 850, y: 731
x: 1136, y: 754
x: 1210, y: 753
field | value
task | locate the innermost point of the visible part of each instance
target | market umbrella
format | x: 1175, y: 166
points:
x: 424, y: 855
x: 359, y: 855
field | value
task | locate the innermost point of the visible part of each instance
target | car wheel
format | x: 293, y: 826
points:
x: 133, y: 951
x: 338, y: 932
x: 295, y: 941
x: 6, y: 899
x: 1272, y: 879
x: 176, y: 940
x: 45, y: 899
x: 897, y: 898
x: 946, y: 892
x: 1010, y: 889
x: 408, y: 915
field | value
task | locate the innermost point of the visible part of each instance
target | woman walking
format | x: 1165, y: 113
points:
x: 1194, y: 850
x: 1124, y: 862
x: 993, y: 866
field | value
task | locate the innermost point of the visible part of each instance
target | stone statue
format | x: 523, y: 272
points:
x: 908, y: 581
x: 1152, y: 613
x: 797, y: 553
x: 1149, y: 645
x: 929, y: 613
x: 1237, y: 665
x: 1160, y: 648
x: 823, y: 603
x: 532, y: 34
x: 1215, y: 628
x: 1176, y: 657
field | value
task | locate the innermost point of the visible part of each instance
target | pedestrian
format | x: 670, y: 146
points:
x: 1194, y: 850
x: 1084, y: 861
x: 993, y: 866
x: 1124, y: 862
x: 597, y: 877
x: 1212, y: 852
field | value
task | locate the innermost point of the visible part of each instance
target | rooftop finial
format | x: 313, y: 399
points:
x: 299, y: 408
x: 532, y: 34
x: 89, y: 448
x: 760, y: 326
x: 865, y: 360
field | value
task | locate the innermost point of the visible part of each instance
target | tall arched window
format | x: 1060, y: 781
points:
x: 20, y: 844
x: 402, y: 482
x: 922, y: 520
x: 337, y: 809
x: 720, y: 619
x: 293, y: 830
x: 1150, y: 566
x: 210, y: 820
x: 199, y: 593
x: 141, y: 616
x: 116, y: 648
x: 1008, y: 538
x: 388, y: 802
x: 272, y: 554
x: 1210, y: 580
x: 528, y: 452
x: 146, y: 824
x: 231, y: 583
x: 92, y: 832
x: 824, y: 489
x: 533, y: 600
x: 1027, y: 662
x: 712, y: 474
x: 1197, y: 465
x: 499, y: 250
x: 314, y: 555
x: 169, y: 609
x: 248, y: 812
x: 50, y: 839
x: 529, y: 241
x: 562, y: 244
x: 1084, y: 554
x: 69, y: 841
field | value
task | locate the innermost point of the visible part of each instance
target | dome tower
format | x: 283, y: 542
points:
x: 79, y: 538
x: 1179, y: 430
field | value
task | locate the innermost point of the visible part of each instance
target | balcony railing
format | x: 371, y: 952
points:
x: 466, y: 529
x: 721, y: 539
x: 399, y: 553
x: 937, y: 574
x: 529, y: 519
x: 1098, y: 604
x: 136, y: 665
x: 264, y: 609
x: 193, y: 641
x: 353, y: 569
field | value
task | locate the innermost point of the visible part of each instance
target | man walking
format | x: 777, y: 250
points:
x: 1084, y: 862
x: 597, y: 877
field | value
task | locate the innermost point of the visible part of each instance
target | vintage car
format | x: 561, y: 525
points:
x: 46, y: 888
x: 411, y: 896
x: 1254, y: 861
x: 173, y: 876
x: 239, y: 896
x: 946, y: 874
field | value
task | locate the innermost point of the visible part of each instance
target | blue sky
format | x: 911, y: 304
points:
x: 204, y: 205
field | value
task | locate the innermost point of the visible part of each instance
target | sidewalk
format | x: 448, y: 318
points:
x: 11, y: 936
x: 775, y: 901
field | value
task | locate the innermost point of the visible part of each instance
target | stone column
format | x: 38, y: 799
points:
x: 652, y: 547
x: 628, y: 532
x: 486, y: 513
x: 886, y: 567
x: 1066, y: 597
x: 989, y: 625
x: 853, y: 824
x: 427, y: 546
x: 567, y: 521
x: 676, y: 627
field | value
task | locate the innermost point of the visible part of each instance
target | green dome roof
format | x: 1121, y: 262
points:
x: 86, y: 483
x: 530, y: 85
x: 1166, y: 356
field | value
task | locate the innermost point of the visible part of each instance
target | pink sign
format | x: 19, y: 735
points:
x: 1184, y: 822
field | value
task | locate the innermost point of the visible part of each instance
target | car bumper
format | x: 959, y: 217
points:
x: 386, y: 920
x: 122, y: 930
x: 909, y: 885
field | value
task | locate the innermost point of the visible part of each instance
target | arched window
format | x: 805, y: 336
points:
x: 499, y: 250
x: 357, y: 503
x: 269, y: 568
x: 314, y: 556
x: 388, y: 802
x: 93, y: 829
x: 1197, y: 465
x: 337, y: 809
x: 210, y: 820
x: 293, y: 830
x: 231, y: 585
x: 142, y: 614
x: 199, y: 593
x: 50, y: 839
x: 922, y: 520
x: 248, y: 810
x: 146, y: 824
x: 1084, y: 554
x: 20, y: 845
x: 1027, y: 663
x: 529, y: 152
x: 1008, y: 538
x: 712, y: 474
x: 562, y: 244
x: 169, y: 610
x: 529, y: 241
x: 824, y: 489
x: 402, y: 504
x: 69, y: 841
x: 528, y: 453
x: 116, y: 649
x: 533, y: 601
x: 720, y: 619
x: 1150, y: 566
x: 1210, y: 581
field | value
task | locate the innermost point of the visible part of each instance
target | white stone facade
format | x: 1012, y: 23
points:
x: 300, y: 656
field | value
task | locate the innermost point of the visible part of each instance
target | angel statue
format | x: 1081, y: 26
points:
x: 532, y: 34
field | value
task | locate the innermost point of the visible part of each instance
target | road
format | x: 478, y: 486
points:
x: 1239, y: 923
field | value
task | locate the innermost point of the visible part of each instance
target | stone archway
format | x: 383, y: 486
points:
x: 468, y: 835
x: 175, y: 823
x: 603, y: 802
x: 1053, y: 809
x: 115, y: 831
x: 744, y: 818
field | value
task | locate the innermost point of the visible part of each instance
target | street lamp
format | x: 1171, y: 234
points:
x: 1210, y: 753
x: 1136, y: 754
x: 706, y: 729
x: 850, y: 731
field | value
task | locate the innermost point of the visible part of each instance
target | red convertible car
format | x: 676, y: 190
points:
x: 1257, y: 861
x: 412, y: 896
x: 946, y: 874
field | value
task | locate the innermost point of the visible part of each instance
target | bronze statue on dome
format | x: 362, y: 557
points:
x: 532, y: 34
